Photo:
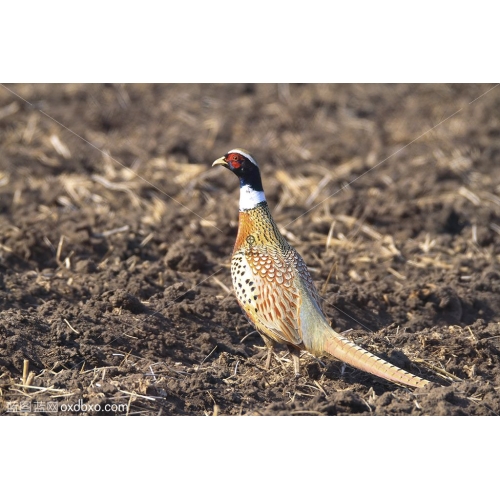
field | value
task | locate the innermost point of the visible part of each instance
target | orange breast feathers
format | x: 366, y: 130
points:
x: 245, y: 229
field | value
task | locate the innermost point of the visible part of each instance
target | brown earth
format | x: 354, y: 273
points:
x: 116, y: 237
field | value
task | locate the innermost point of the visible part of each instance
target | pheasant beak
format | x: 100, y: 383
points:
x: 221, y: 161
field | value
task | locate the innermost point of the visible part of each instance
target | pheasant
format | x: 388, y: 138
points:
x: 275, y: 290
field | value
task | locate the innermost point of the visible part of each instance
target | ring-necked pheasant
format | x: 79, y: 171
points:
x: 275, y: 290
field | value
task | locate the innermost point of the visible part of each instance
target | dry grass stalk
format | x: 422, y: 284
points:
x: 439, y: 371
x: 9, y: 110
x: 469, y: 195
x: 224, y: 287
x: 323, y: 289
x: 26, y: 365
x: 60, y: 147
x: 72, y: 329
x: 40, y: 389
x: 135, y: 395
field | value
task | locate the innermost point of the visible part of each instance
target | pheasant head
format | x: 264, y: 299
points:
x: 242, y: 164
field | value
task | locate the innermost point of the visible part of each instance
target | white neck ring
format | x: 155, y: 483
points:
x: 249, y: 198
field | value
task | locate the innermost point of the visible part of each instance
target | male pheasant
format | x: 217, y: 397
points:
x: 275, y: 290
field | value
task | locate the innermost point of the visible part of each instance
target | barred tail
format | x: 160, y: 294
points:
x: 348, y: 352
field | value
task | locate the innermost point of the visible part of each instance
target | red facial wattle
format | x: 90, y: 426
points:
x: 235, y: 160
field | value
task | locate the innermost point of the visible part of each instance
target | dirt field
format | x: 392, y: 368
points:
x: 116, y: 237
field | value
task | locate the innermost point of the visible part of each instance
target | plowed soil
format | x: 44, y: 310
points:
x: 116, y: 237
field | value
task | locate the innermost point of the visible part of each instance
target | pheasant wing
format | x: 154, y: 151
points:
x: 265, y: 286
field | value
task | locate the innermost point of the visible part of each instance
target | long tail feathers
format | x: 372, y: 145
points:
x: 348, y: 352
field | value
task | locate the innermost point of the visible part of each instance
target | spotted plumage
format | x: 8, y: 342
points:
x: 275, y: 290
